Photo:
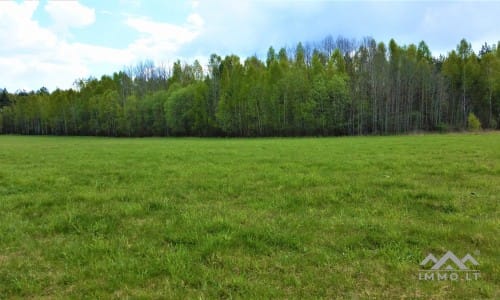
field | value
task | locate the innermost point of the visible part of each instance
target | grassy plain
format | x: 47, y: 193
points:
x: 86, y: 217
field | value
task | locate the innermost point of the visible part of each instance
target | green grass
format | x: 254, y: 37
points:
x: 84, y: 217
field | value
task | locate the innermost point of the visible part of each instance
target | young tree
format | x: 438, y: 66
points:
x: 186, y: 110
x: 490, y: 76
x: 473, y: 122
x: 4, y: 98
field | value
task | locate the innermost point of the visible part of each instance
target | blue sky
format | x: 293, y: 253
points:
x: 52, y: 43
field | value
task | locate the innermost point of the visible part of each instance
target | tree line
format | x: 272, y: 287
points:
x: 333, y: 87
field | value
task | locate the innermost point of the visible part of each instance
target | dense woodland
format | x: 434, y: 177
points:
x: 333, y: 87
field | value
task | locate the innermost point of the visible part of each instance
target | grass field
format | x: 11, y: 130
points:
x: 84, y: 217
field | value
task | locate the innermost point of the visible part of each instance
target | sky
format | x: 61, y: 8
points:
x: 53, y: 43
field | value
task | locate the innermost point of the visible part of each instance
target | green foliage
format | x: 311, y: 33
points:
x: 338, y: 87
x: 131, y: 117
x: 186, y: 110
x: 100, y: 218
x: 473, y: 122
x: 4, y: 98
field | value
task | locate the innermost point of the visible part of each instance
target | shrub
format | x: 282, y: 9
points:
x: 473, y: 122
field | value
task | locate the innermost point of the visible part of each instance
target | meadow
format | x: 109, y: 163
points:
x: 152, y: 218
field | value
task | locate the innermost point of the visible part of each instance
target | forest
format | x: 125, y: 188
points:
x: 336, y: 86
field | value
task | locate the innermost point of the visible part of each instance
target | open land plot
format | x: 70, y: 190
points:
x: 253, y: 218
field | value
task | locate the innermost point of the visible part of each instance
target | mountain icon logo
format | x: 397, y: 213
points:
x: 449, y: 262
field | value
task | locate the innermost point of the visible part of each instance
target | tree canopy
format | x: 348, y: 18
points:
x: 333, y: 87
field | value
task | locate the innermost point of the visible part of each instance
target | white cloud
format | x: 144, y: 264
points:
x: 23, y: 10
x: 36, y: 56
x: 66, y: 14
x: 196, y: 20
x: 26, y: 43
x: 162, y: 39
x: 28, y: 72
x: 18, y: 32
x: 32, y: 55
